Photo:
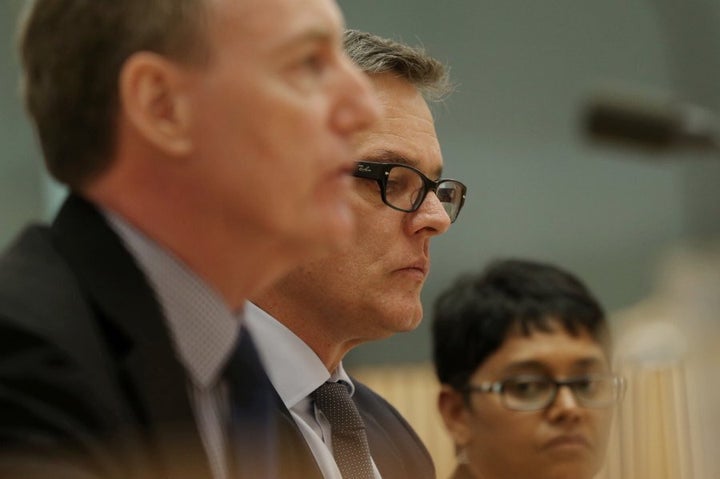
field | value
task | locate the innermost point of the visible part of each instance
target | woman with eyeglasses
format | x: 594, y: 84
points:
x: 522, y: 352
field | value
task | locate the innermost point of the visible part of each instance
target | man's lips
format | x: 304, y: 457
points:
x: 347, y: 169
x: 343, y: 172
x: 339, y: 180
x: 420, y: 267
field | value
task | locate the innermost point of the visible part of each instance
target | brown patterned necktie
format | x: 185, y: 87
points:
x: 349, y: 441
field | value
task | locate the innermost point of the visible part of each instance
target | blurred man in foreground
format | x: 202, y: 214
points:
x: 206, y: 148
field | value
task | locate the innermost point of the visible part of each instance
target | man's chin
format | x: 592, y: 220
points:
x: 405, y: 320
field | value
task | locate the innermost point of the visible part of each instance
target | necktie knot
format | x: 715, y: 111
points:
x: 335, y: 402
x: 349, y: 441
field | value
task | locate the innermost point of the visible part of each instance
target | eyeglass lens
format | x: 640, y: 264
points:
x: 405, y: 189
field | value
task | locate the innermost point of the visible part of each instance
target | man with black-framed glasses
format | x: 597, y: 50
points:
x: 369, y: 289
x: 523, y: 355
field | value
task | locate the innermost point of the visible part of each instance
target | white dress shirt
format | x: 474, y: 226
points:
x: 296, y: 371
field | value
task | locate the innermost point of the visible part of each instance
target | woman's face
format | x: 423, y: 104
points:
x: 562, y: 441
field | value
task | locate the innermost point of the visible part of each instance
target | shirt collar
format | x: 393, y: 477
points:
x: 292, y: 366
x: 203, y: 329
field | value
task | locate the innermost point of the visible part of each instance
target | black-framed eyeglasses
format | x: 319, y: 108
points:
x: 404, y: 188
x: 531, y: 393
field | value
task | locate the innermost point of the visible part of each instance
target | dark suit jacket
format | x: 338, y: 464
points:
x: 396, y: 449
x: 89, y: 383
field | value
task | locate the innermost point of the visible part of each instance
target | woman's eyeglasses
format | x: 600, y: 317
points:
x: 530, y: 393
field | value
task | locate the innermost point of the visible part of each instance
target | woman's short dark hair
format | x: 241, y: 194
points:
x: 473, y: 317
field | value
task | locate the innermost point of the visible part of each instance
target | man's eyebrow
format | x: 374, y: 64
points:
x: 315, y: 34
x: 388, y: 156
x: 302, y: 38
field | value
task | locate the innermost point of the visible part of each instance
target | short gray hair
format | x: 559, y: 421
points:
x: 374, y: 54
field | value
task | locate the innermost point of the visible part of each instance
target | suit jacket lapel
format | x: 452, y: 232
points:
x: 126, y: 303
x: 396, y: 449
x: 296, y: 458
x: 382, y: 448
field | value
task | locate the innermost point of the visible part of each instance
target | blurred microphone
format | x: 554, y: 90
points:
x: 651, y: 123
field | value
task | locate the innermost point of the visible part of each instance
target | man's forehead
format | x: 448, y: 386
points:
x: 405, y: 137
x: 281, y: 23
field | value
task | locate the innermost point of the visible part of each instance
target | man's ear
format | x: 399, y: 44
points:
x: 155, y: 101
x: 455, y: 414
